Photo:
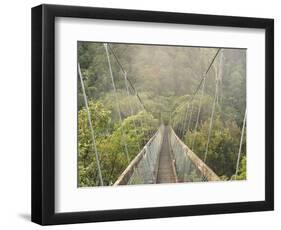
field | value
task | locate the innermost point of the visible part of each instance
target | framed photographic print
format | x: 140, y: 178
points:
x: 141, y: 114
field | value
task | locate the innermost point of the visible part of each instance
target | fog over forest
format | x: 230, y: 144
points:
x: 165, y: 79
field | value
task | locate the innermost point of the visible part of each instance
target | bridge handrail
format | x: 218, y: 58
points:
x: 131, y: 169
x: 206, y: 172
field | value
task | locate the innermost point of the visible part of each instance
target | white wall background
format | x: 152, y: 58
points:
x: 15, y: 114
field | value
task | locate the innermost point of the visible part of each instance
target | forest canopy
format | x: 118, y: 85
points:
x: 161, y: 83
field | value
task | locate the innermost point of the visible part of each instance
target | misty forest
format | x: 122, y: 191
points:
x: 132, y: 89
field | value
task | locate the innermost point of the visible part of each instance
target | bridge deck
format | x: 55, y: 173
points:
x: 165, y: 169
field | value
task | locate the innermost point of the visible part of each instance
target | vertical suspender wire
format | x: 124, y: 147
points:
x: 220, y: 76
x: 173, y: 123
x: 117, y: 103
x: 144, y: 136
x: 211, y: 121
x: 141, y: 122
x: 185, y: 118
x: 170, y: 118
x: 240, y: 146
x: 198, y: 113
x: 91, y: 126
x: 190, y: 117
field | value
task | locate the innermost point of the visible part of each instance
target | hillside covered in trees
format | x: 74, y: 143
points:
x: 161, y: 83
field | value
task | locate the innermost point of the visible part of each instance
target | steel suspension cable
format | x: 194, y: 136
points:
x: 94, y: 146
x: 205, y: 74
x: 127, y: 79
x: 123, y: 70
x: 240, y: 145
x: 190, y: 101
x: 117, y: 103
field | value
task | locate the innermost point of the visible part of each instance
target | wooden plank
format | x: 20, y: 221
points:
x: 165, y: 170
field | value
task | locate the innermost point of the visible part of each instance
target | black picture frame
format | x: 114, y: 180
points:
x: 43, y: 114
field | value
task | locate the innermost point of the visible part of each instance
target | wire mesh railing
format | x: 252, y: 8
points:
x: 189, y: 167
x: 143, y: 168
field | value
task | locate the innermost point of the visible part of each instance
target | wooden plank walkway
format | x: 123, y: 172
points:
x: 165, y: 169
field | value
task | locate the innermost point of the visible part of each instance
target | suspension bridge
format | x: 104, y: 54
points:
x: 165, y: 158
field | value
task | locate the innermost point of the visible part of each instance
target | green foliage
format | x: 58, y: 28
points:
x: 110, y: 143
x: 165, y: 78
x: 181, y: 107
x: 100, y: 118
x: 223, y: 146
x: 242, y: 172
